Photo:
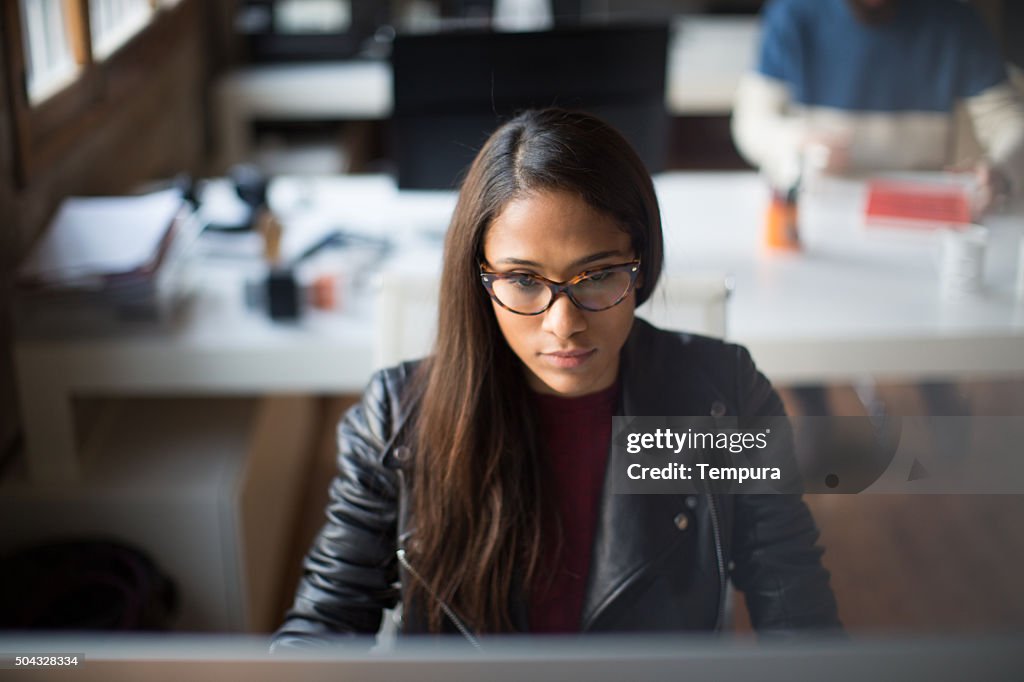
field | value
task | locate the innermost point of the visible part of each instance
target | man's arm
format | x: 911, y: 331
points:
x: 992, y: 102
x: 765, y: 127
x: 766, y: 132
x: 997, y: 115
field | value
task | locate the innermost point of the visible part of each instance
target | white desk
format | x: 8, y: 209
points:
x: 846, y: 308
x: 707, y: 57
x: 853, y: 304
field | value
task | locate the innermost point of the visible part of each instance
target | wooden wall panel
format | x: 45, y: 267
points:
x: 156, y: 130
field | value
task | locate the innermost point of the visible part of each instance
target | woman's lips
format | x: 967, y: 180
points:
x: 567, y: 359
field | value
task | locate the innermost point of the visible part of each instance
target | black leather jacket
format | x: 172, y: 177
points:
x: 659, y: 562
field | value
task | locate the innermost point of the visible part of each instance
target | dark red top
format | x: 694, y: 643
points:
x: 574, y: 436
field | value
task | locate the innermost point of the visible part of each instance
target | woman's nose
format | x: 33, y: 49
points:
x: 563, y: 318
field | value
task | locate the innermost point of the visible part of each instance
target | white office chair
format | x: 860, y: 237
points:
x: 407, y: 310
x: 406, y: 317
x: 691, y: 302
x: 405, y: 330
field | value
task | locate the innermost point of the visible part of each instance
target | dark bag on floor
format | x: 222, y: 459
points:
x: 84, y: 585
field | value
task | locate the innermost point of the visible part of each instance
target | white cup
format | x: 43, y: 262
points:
x: 962, y: 264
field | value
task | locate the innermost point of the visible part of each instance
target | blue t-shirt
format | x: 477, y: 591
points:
x: 931, y: 54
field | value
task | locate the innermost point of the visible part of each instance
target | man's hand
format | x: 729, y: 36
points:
x: 993, y: 188
x: 826, y: 153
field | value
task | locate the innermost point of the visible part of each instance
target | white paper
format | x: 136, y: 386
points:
x: 92, y: 236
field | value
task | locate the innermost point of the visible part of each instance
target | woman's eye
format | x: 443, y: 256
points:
x: 524, y: 282
x: 597, y: 278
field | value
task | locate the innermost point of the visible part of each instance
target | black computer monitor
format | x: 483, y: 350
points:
x: 451, y: 90
x: 637, y: 657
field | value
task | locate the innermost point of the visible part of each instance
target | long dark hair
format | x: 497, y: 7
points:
x: 477, y: 485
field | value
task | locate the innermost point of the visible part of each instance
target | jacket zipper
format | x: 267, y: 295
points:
x: 721, y: 561
x: 402, y: 559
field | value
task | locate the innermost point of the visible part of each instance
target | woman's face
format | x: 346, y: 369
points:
x: 565, y: 350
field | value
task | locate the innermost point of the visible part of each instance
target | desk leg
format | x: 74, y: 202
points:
x: 47, y: 418
x: 232, y: 127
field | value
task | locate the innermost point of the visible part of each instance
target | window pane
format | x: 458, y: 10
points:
x: 114, y: 22
x: 47, y: 45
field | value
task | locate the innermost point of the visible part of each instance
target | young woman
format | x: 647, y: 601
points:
x: 472, y: 484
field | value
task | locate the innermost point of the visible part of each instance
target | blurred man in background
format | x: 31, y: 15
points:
x: 873, y: 85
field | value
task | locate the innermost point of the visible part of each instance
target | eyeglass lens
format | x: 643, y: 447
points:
x: 525, y: 294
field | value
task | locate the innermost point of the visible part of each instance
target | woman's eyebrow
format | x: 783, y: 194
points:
x: 582, y: 261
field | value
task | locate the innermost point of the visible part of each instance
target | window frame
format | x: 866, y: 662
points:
x: 44, y: 131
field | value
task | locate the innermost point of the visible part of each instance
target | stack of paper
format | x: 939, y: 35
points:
x: 925, y: 205
x: 105, y: 260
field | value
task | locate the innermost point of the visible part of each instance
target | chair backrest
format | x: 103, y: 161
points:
x: 407, y: 311
x: 406, y: 317
x: 692, y: 302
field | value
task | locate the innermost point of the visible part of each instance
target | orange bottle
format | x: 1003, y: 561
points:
x: 781, y: 227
